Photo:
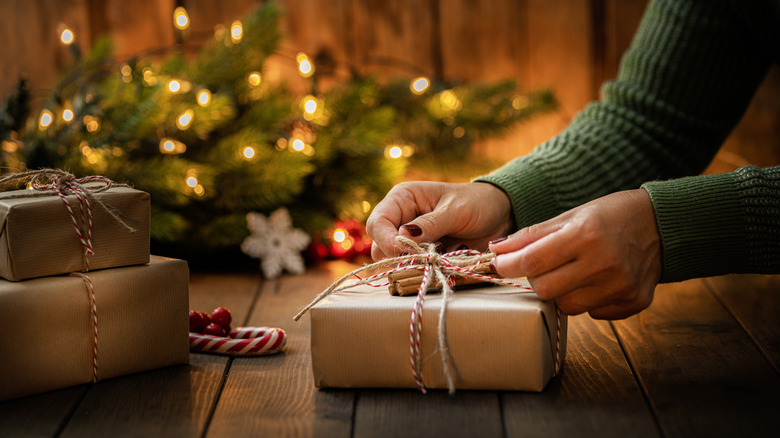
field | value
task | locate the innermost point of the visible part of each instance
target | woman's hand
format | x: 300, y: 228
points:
x: 452, y: 215
x: 603, y: 257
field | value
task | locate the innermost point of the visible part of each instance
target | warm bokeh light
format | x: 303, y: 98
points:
x: 236, y: 32
x: 46, y: 119
x: 339, y: 235
x: 310, y: 104
x: 91, y: 123
x: 419, y: 85
x: 184, y: 120
x: 366, y: 206
x: 174, y: 86
x: 199, y: 190
x: 66, y: 36
x: 297, y: 144
x: 249, y: 152
x: 180, y: 18
x: 305, y: 67
x: 255, y: 79
x: 67, y: 115
x: 192, y: 181
x: 171, y: 146
x: 394, y: 152
x: 204, y: 97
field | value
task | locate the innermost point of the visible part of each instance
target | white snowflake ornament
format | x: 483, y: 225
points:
x: 275, y: 242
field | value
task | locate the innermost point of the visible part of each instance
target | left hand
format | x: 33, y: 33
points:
x: 603, y: 257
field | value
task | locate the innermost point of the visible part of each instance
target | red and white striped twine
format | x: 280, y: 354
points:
x: 431, y: 263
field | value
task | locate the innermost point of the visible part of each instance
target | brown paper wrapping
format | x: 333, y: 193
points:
x: 38, y: 239
x: 48, y: 336
x: 501, y: 338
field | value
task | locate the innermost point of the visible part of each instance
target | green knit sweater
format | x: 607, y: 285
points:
x: 688, y: 77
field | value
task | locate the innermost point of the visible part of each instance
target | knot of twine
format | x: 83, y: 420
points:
x: 443, y: 267
x: 48, y: 182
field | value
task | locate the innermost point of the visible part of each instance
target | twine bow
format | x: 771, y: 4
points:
x: 443, y: 267
x: 48, y: 182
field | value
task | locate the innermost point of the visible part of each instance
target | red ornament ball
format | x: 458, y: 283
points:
x: 214, y: 330
x: 198, y: 321
x: 222, y: 316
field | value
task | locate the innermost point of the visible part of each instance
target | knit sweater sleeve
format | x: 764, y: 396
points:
x: 685, y: 82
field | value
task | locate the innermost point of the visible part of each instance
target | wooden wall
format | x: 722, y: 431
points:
x: 570, y: 46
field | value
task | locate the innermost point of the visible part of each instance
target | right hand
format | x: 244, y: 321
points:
x: 453, y: 215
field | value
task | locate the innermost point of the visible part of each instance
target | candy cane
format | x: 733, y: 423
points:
x: 270, y: 341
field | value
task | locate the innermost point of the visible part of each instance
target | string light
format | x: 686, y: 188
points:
x: 46, y: 119
x: 185, y: 119
x: 419, y: 85
x: 520, y: 102
x: 305, y: 67
x: 236, y: 32
x: 450, y: 101
x: 204, y: 97
x: 309, y: 104
x: 127, y: 73
x: 174, y: 86
x: 192, y: 181
x: 66, y: 36
x: 254, y: 79
x: 91, y: 123
x: 171, y: 146
x: 249, y: 152
x: 339, y: 235
x: 297, y: 144
x: 199, y: 190
x: 393, y: 152
x: 67, y: 115
x: 180, y: 18
x: 149, y: 78
x: 366, y: 206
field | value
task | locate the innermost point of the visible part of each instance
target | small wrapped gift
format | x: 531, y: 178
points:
x: 43, y: 233
x: 58, y: 336
x: 491, y: 337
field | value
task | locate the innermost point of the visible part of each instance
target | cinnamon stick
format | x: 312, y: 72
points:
x: 408, y: 282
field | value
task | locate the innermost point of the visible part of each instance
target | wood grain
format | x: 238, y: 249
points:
x: 275, y: 395
x: 596, y: 395
x: 40, y: 415
x: 754, y: 301
x: 175, y: 401
x: 700, y: 370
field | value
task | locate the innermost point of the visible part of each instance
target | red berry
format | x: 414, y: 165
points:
x: 198, y: 321
x: 222, y: 316
x: 214, y: 330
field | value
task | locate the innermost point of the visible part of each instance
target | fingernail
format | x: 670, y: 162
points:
x: 493, y: 242
x: 413, y: 230
x: 493, y: 265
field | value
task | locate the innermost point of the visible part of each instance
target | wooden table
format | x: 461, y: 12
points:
x: 701, y: 361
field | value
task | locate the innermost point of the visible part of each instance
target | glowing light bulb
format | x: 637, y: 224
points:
x: 174, y: 86
x: 180, y: 18
x: 199, y: 190
x: 67, y: 115
x: 249, y: 152
x: 46, y: 119
x: 339, y: 235
x: 309, y: 104
x: 394, y: 152
x: 185, y: 119
x: 167, y: 145
x: 236, y: 32
x: 305, y: 67
x: 298, y: 144
x: 419, y: 85
x: 192, y: 181
x: 366, y: 206
x: 204, y: 98
x: 67, y: 36
x: 255, y: 79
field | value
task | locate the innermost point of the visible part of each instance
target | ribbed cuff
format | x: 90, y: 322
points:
x: 701, y: 226
x: 531, y: 197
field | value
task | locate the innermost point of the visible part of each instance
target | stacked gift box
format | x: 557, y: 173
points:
x: 84, y: 299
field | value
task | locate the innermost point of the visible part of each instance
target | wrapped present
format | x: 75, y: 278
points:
x: 489, y: 337
x: 59, y: 336
x: 46, y: 234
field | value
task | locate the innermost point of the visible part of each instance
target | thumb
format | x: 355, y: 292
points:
x: 429, y: 227
x: 525, y: 237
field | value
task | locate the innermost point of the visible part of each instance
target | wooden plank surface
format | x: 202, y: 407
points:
x: 754, y: 301
x: 701, y: 372
x: 41, y: 415
x: 275, y: 395
x: 596, y: 395
x: 175, y: 401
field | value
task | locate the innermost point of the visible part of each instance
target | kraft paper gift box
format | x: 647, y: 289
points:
x: 38, y: 238
x: 142, y: 324
x: 500, y: 338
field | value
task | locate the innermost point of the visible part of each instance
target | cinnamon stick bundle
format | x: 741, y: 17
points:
x: 408, y: 282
